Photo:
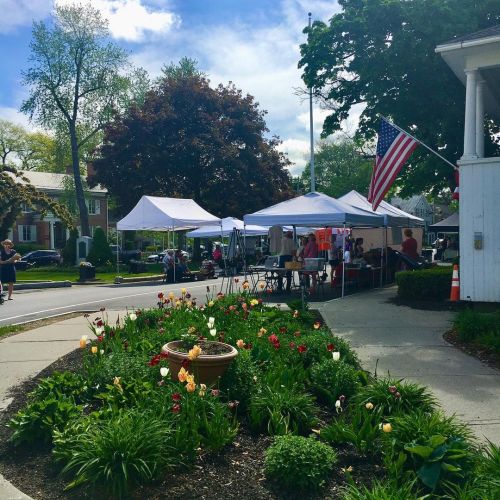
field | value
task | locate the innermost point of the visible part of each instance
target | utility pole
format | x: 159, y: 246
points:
x: 311, y: 130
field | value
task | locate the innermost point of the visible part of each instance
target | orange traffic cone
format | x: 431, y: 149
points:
x: 455, y: 285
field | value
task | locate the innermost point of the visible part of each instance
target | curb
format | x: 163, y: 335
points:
x: 10, y: 492
x: 41, y: 285
x: 121, y: 280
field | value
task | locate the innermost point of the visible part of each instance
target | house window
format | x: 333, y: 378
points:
x: 27, y: 233
x: 25, y: 208
x: 94, y: 206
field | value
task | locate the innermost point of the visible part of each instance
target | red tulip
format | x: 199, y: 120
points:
x: 176, y: 408
x: 302, y: 348
x: 330, y: 347
x: 176, y: 396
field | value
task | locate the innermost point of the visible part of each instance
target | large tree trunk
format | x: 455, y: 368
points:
x: 80, y: 195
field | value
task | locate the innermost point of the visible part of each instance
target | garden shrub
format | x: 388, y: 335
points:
x: 437, y: 448
x: 239, y: 381
x: 480, y: 328
x: 68, y: 253
x: 36, y: 422
x: 24, y: 248
x: 131, y: 447
x: 390, y: 396
x: 296, y: 462
x: 427, y: 284
x: 283, y: 411
x: 100, y: 253
x: 62, y: 385
x: 331, y: 379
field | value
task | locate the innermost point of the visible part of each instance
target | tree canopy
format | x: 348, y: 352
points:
x: 381, y: 53
x: 76, y: 81
x: 339, y: 167
x: 191, y: 140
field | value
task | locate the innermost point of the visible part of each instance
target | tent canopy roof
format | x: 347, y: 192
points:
x: 393, y: 217
x: 154, y: 213
x: 314, y: 209
x: 228, y: 224
x: 451, y: 223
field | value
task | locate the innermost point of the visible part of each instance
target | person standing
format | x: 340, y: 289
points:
x: 288, y: 250
x: 409, y: 245
x: 333, y: 256
x: 8, y: 258
x: 311, y: 251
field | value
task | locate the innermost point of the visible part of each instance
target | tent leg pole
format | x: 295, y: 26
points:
x: 245, y: 250
x: 343, y: 263
x: 117, y: 252
x: 175, y: 277
x: 382, y: 251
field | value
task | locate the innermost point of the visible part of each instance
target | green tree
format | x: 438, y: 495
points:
x: 12, y: 138
x: 339, y: 167
x: 100, y: 253
x: 192, y: 140
x: 75, y: 81
x: 69, y: 250
x: 381, y: 53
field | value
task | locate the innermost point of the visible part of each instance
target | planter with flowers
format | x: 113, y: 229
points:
x: 87, y: 271
x: 207, y: 360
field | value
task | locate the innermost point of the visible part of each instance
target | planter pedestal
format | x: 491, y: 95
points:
x: 206, y: 368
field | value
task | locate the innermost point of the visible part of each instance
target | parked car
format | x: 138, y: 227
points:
x: 42, y: 257
x: 125, y: 255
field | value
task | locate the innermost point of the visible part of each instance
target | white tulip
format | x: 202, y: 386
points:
x: 132, y: 316
x: 101, y: 351
x: 211, y: 320
x: 338, y: 404
x: 213, y: 332
x: 99, y: 330
x: 164, y: 371
x: 336, y: 355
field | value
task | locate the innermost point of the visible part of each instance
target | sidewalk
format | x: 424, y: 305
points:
x: 408, y: 343
x: 25, y: 354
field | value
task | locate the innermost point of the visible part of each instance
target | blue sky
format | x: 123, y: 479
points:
x: 253, y: 43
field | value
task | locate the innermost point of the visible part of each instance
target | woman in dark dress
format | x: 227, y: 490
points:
x: 8, y: 257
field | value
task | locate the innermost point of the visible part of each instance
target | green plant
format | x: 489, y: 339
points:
x: 62, y: 385
x: 390, y: 396
x: 130, y: 448
x: 100, y: 253
x: 480, y: 328
x: 437, y: 448
x: 24, y: 248
x: 388, y: 490
x: 360, y: 427
x: 331, y: 379
x: 319, y: 347
x: 239, y: 380
x: 68, y: 253
x: 428, y: 284
x: 296, y: 462
x: 36, y: 422
x: 283, y: 411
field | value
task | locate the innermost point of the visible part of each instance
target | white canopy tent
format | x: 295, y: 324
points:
x: 153, y: 213
x: 228, y: 225
x: 314, y: 209
x: 393, y: 217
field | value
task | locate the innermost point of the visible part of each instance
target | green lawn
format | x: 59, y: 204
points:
x: 72, y: 274
x: 5, y: 330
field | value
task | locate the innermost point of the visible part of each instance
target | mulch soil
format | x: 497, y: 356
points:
x: 484, y: 354
x: 236, y: 472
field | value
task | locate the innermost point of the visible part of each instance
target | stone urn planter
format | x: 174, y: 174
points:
x: 206, y: 368
x: 87, y: 273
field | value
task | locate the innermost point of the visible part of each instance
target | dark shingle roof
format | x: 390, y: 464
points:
x: 486, y: 33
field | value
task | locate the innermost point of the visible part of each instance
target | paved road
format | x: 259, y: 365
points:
x: 35, y: 304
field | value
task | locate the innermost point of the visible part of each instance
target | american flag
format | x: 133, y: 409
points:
x: 394, y: 147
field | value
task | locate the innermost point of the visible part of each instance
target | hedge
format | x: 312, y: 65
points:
x: 428, y: 284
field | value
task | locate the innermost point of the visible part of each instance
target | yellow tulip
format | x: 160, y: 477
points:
x: 387, y: 428
x: 171, y: 296
x: 246, y: 285
x: 94, y: 349
x: 189, y: 378
x: 240, y: 343
x: 211, y: 303
x: 191, y: 387
x: 182, y: 375
x: 369, y: 406
x: 183, y: 291
x: 261, y: 332
x: 83, y: 342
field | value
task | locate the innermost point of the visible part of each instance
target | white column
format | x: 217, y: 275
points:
x: 480, y: 118
x: 470, y: 116
x: 51, y: 232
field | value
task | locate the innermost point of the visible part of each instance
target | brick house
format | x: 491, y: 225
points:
x: 50, y: 232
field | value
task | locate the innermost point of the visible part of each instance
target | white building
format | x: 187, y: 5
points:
x: 475, y: 59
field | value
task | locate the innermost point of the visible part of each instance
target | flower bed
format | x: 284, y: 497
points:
x: 293, y: 411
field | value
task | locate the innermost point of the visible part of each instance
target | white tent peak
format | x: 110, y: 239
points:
x: 155, y: 213
x: 228, y: 225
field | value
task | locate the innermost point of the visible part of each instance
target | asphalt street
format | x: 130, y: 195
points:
x: 36, y: 304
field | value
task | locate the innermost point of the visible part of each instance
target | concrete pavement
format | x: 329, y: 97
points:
x: 408, y: 343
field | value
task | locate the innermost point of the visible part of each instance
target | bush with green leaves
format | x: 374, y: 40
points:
x: 62, y: 385
x: 332, y: 379
x: 427, y: 284
x: 438, y: 449
x: 282, y: 411
x: 391, y: 396
x: 68, y: 253
x: 299, y: 463
x: 479, y: 328
x: 100, y: 253
x: 130, y: 448
x: 240, y: 380
x: 387, y: 490
x: 36, y: 422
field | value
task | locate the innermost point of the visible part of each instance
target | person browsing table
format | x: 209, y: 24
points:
x: 288, y: 250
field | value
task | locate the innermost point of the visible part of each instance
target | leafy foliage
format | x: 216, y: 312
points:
x: 331, y: 379
x: 69, y: 251
x: 62, y: 385
x: 296, y: 462
x: 428, y: 284
x: 100, y: 253
x: 203, y: 143
x: 479, y: 328
x: 382, y: 53
x: 389, y: 490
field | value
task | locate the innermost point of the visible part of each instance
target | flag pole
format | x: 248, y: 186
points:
x: 420, y: 142
x: 311, y: 131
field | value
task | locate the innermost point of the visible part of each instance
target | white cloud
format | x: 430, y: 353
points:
x: 298, y: 153
x: 18, y: 13
x: 14, y: 116
x: 132, y: 20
